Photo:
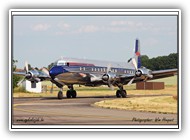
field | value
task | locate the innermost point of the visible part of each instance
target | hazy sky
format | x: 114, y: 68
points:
x: 43, y: 39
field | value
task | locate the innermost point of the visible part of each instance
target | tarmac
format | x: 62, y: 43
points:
x: 80, y: 111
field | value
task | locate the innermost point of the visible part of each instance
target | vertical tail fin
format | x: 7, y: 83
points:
x: 137, y: 53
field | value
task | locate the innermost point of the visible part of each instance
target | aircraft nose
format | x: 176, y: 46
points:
x: 56, y: 71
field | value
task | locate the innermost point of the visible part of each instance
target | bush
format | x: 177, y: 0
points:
x: 15, y: 81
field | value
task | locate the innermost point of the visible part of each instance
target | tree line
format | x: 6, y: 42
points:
x: 160, y: 62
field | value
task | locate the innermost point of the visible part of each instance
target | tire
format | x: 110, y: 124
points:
x: 60, y: 95
x: 118, y: 94
x: 74, y: 94
x: 68, y: 94
x: 123, y: 93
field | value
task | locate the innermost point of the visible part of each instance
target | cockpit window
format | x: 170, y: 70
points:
x: 61, y: 63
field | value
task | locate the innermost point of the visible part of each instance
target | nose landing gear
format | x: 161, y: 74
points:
x: 60, y: 94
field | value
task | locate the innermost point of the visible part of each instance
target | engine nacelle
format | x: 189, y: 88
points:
x: 109, y: 77
x: 33, y: 75
x: 144, y: 72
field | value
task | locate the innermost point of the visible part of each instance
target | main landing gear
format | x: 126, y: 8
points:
x: 71, y: 93
x: 121, y: 93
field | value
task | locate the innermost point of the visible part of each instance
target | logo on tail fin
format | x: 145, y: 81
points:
x: 136, y: 54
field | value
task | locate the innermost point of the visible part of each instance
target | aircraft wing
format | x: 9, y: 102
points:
x: 156, y: 75
x: 34, y: 75
x: 20, y: 73
x: 163, y: 73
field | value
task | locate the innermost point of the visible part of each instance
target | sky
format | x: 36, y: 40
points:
x: 41, y: 40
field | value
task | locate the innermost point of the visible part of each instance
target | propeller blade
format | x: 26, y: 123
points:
x: 110, y: 85
x: 37, y: 79
x: 20, y: 82
x: 26, y: 66
x: 134, y: 63
x: 108, y: 68
x: 131, y: 81
x: 150, y: 76
x: 45, y: 71
x: 51, y: 91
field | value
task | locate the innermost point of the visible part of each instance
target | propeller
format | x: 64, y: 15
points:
x: 106, y: 77
x: 109, y: 82
x: 26, y: 75
x: 146, y: 72
x: 135, y: 66
x: 31, y: 75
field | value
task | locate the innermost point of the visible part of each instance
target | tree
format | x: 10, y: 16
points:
x: 160, y: 62
x: 14, y: 66
x: 29, y: 67
x: 50, y: 65
x: 16, y: 78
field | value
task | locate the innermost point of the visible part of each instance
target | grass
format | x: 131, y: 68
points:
x: 168, y: 81
x: 164, y: 104
x: 159, y: 104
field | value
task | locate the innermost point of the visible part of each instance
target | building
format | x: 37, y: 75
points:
x: 32, y: 87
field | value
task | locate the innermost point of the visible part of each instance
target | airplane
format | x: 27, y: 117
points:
x: 70, y: 71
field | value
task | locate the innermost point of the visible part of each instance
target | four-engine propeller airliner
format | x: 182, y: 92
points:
x: 70, y: 71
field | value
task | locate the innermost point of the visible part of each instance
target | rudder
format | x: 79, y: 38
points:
x: 137, y: 53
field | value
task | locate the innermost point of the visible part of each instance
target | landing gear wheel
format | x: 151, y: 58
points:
x: 118, y: 94
x: 68, y: 94
x: 74, y: 94
x: 123, y: 93
x: 60, y: 95
x: 71, y: 94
